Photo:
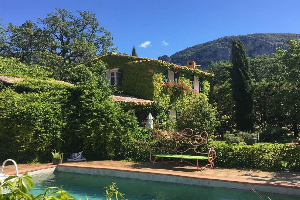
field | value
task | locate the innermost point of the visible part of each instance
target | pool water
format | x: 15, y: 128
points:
x: 87, y: 186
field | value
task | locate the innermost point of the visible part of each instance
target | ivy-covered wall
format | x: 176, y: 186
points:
x: 141, y: 75
x: 40, y: 114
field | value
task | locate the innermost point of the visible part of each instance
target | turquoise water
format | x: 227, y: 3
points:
x: 82, y: 186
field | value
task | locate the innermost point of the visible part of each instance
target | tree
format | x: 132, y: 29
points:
x: 265, y: 68
x: 62, y: 39
x: 2, y: 36
x: 290, y: 60
x: 134, y: 51
x: 24, y: 41
x: 241, y: 87
x: 76, y: 39
x: 221, y: 71
x: 198, y: 115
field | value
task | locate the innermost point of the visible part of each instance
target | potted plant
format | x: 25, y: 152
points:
x: 57, y: 157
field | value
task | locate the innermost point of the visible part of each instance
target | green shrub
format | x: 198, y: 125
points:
x: 12, y: 67
x: 238, y: 136
x: 197, y: 114
x: 271, y: 133
x: 31, y: 124
x: 37, y: 116
x: 262, y: 156
x: 231, y: 138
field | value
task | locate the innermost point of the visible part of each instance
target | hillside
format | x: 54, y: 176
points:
x: 219, y: 49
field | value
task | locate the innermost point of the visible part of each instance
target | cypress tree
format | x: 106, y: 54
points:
x: 241, y: 87
x: 134, y: 51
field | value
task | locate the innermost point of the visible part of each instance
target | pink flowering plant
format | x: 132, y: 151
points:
x: 177, y: 90
x: 176, y: 68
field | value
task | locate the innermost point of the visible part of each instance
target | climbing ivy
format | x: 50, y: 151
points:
x: 114, y: 60
x: 32, y: 120
x: 38, y: 115
x: 144, y: 78
x: 12, y: 67
x: 140, y: 75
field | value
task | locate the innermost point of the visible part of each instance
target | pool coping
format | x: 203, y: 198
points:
x: 150, y: 175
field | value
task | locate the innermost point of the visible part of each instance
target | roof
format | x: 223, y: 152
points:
x: 130, y: 99
x: 116, y: 97
x: 6, y: 79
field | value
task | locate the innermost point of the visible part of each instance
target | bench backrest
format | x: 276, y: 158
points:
x: 184, y: 142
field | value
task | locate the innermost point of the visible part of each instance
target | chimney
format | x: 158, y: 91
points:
x: 191, y: 64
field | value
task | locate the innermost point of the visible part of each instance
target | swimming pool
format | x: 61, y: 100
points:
x: 81, y: 186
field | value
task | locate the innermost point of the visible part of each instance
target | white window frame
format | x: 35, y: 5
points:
x: 108, y: 75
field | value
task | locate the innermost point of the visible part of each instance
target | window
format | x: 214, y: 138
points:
x: 166, y: 76
x: 113, y: 78
x: 176, y: 77
x: 120, y: 77
x: 200, y: 85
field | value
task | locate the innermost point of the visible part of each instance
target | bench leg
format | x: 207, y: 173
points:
x: 197, y: 164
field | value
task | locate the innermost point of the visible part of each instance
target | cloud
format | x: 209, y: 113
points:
x: 145, y: 44
x: 164, y: 43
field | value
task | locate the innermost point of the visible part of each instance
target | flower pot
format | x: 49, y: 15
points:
x: 56, y: 161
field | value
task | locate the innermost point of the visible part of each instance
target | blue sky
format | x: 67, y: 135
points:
x: 164, y: 27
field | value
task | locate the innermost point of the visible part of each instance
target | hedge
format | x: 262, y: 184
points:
x: 37, y: 116
x: 261, y: 156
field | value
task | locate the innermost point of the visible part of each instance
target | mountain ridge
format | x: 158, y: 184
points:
x: 219, y: 49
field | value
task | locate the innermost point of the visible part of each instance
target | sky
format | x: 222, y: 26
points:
x: 164, y: 27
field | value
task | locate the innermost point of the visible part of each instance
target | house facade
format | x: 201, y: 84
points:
x: 144, y: 78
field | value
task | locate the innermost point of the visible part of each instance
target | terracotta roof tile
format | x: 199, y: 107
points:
x: 116, y: 97
x: 130, y: 99
x: 6, y: 79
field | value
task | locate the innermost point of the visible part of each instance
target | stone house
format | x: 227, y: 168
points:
x: 143, y: 78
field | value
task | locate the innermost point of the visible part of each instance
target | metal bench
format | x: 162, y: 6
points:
x: 184, y: 145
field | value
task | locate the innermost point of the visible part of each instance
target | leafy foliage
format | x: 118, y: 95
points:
x: 61, y: 39
x: 76, y: 38
x: 198, y: 115
x: 221, y: 71
x: 265, y: 69
x: 177, y: 90
x: 263, y: 156
x: 96, y: 124
x: 241, y: 87
x: 134, y: 51
x: 290, y: 60
x: 275, y: 90
x: 32, y: 122
x: 145, y: 71
x: 56, y: 155
x: 40, y: 115
x: 238, y: 136
x: 223, y: 99
x: 14, y: 68
x: 112, y: 191
x: 17, y: 188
